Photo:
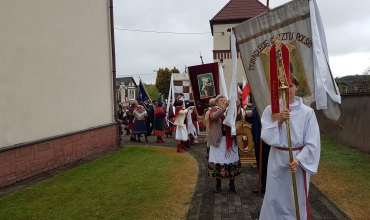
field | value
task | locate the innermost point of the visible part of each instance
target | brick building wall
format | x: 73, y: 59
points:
x: 19, y: 163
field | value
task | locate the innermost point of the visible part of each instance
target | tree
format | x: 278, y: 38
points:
x: 162, y: 83
x: 153, y: 92
x: 175, y: 70
x: 366, y: 71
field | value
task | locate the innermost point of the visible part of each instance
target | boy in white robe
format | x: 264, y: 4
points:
x: 278, y: 202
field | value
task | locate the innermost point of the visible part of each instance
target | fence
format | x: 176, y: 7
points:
x: 356, y: 121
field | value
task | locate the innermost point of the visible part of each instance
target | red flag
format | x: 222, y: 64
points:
x: 246, y: 91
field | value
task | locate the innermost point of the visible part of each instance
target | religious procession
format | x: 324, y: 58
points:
x: 258, y: 131
x: 278, y: 134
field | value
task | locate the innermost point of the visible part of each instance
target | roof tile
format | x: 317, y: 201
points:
x: 239, y: 9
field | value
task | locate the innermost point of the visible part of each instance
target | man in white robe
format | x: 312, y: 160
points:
x: 278, y: 202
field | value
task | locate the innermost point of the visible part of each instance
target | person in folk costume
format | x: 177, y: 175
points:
x: 131, y: 120
x: 152, y: 106
x: 192, y: 123
x: 150, y: 111
x: 223, y: 161
x: 181, y: 130
x: 278, y: 202
x: 212, y: 104
x: 165, y: 126
x: 170, y: 128
x: 141, y: 116
x: 158, y: 123
x: 125, y: 119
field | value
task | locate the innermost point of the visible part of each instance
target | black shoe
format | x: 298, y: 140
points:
x: 217, y: 190
x: 256, y: 191
x: 233, y: 189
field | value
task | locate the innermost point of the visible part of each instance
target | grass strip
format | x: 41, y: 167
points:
x: 344, y: 177
x: 132, y: 183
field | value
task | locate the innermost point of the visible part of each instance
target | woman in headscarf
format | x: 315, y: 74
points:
x: 223, y: 161
x: 141, y: 116
x: 158, y: 125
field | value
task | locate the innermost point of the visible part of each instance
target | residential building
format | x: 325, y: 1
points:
x: 57, y: 93
x: 232, y: 14
x: 127, y: 90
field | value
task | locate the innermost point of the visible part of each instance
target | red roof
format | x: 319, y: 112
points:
x: 237, y: 11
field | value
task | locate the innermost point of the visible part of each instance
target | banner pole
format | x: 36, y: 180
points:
x: 284, y: 89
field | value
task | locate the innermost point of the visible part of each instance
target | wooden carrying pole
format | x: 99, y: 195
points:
x: 260, y: 170
x: 284, y: 90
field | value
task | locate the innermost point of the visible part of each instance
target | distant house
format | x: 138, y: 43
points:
x: 57, y: 90
x: 231, y: 15
x: 126, y: 90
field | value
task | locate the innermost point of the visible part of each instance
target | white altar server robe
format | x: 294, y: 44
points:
x: 278, y: 202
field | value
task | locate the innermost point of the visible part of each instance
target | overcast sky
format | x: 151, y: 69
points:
x: 346, y: 23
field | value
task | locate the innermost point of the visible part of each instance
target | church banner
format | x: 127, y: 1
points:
x: 204, y: 83
x: 297, y: 24
x: 142, y: 94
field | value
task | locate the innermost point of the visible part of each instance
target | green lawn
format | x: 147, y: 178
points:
x: 344, y: 177
x: 129, y: 184
x: 346, y: 161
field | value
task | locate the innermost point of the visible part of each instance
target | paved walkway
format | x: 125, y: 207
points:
x: 206, y: 204
x: 245, y: 204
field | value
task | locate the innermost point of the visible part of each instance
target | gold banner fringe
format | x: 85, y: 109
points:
x: 275, y: 117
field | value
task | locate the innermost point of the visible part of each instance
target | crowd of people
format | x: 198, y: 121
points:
x: 269, y: 137
x: 149, y: 118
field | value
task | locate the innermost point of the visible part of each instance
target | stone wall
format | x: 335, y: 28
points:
x: 356, y: 121
x: 18, y: 163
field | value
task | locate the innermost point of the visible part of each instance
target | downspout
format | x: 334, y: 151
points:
x: 113, y: 49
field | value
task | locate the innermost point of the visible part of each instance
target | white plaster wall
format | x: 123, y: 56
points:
x: 222, y: 42
x: 55, y: 68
